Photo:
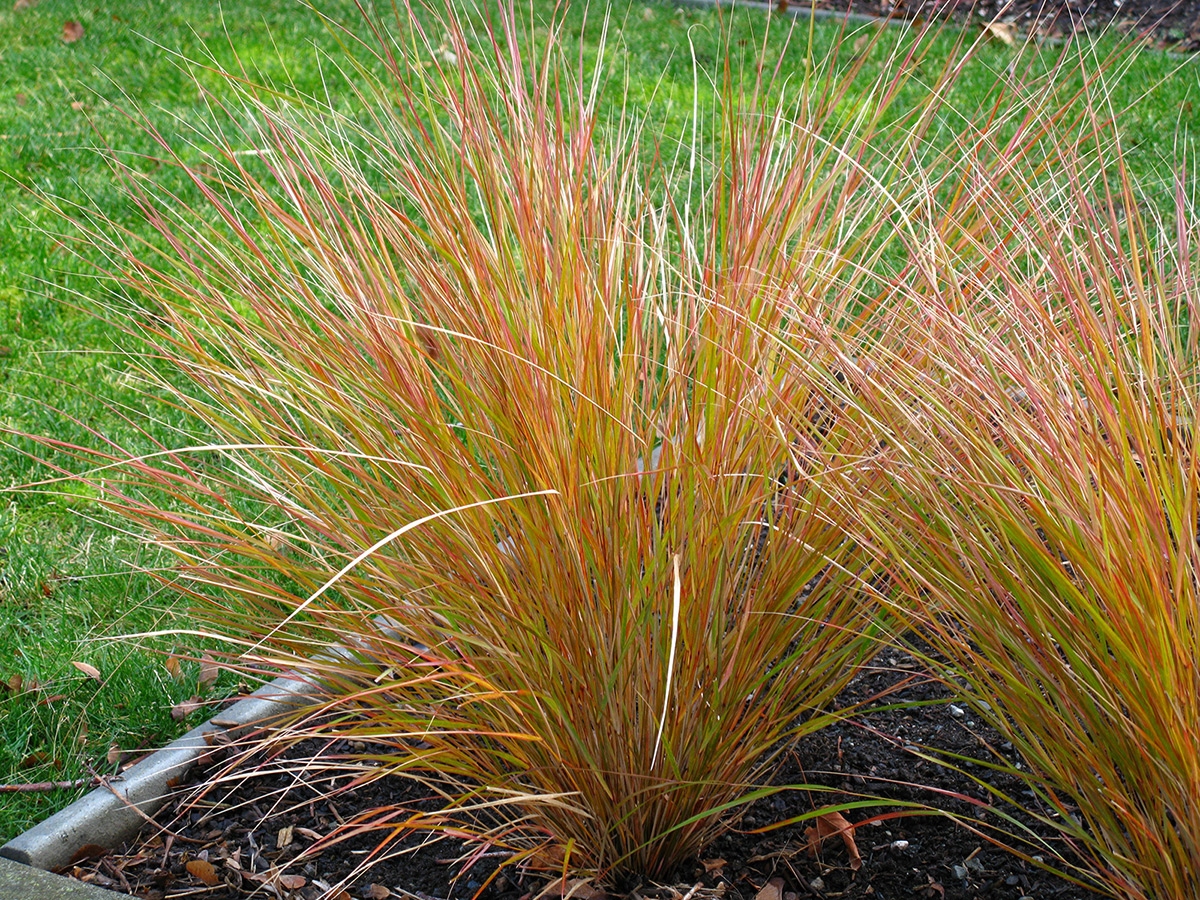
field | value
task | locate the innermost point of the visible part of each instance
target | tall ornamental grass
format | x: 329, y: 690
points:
x: 559, y: 455
x: 506, y: 456
x: 1036, y: 487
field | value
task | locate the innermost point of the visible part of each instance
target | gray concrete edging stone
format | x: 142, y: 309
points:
x: 797, y: 9
x: 113, y: 812
x: 21, y: 882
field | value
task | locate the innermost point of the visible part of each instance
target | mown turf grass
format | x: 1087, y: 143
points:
x: 69, y: 575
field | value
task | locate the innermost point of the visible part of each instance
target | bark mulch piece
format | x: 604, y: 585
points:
x: 243, y: 839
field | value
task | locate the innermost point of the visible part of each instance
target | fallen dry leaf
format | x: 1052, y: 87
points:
x: 772, y: 890
x: 77, y: 105
x: 172, y: 666
x: 573, y: 889
x: 862, y: 42
x: 832, y: 825
x: 37, y: 758
x: 292, y: 882
x: 88, y: 851
x: 284, y: 837
x: 72, y: 31
x: 1005, y: 32
x: 204, y: 870
x: 712, y: 866
x: 208, y: 671
x: 23, y: 4
x: 114, y: 754
x: 376, y: 892
x: 21, y: 98
x: 185, y: 708
x: 87, y: 669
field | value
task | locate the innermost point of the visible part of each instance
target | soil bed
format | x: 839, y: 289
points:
x: 1168, y: 24
x: 243, y: 839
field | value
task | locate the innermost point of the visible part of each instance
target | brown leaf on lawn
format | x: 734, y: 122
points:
x: 185, y: 708
x: 114, y: 753
x: 72, y: 31
x: 204, y: 870
x: 1004, y: 32
x: 172, y: 666
x: 78, y: 105
x: 37, y: 758
x: 208, y: 671
x: 87, y: 669
x: 15, y: 683
x: 772, y: 890
x: 832, y: 825
x: 21, y: 99
x: 23, y: 4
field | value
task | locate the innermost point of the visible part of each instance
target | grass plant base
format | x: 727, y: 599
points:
x: 263, y: 824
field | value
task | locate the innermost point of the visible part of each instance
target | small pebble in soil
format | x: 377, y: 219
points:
x: 817, y: 884
x: 957, y: 711
x: 899, y: 845
x: 959, y: 872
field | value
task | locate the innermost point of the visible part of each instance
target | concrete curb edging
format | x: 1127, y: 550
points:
x: 113, y: 813
x: 797, y: 9
x: 18, y: 882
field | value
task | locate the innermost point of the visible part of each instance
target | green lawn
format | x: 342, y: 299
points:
x: 69, y: 577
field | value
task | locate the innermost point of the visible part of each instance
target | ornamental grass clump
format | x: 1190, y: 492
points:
x: 503, y: 453
x: 1036, y: 489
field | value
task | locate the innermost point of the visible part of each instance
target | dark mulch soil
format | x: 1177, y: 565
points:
x: 247, y: 838
x: 1169, y: 24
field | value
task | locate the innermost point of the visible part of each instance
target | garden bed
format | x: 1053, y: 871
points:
x: 1170, y: 24
x: 237, y: 839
